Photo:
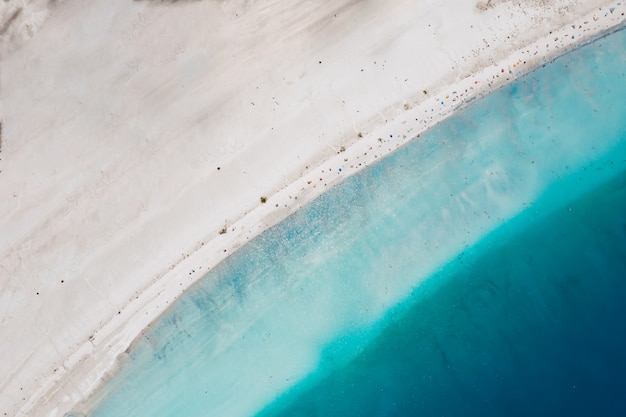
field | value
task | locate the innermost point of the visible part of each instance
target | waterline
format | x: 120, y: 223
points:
x: 309, y: 296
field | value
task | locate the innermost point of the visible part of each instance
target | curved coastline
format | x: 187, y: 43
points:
x: 500, y: 184
x: 85, y: 368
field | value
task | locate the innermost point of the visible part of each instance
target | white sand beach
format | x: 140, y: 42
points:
x: 139, y: 138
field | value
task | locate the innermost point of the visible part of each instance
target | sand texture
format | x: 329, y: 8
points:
x: 139, y: 138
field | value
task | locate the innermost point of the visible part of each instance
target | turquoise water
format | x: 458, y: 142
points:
x: 528, y: 322
x: 477, y: 271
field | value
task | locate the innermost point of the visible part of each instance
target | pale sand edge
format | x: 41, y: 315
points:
x: 89, y: 366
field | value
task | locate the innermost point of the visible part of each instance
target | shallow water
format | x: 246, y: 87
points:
x: 478, y: 270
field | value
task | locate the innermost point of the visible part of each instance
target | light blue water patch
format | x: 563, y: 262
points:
x: 312, y: 295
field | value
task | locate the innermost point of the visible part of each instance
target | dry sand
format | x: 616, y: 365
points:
x: 134, y: 133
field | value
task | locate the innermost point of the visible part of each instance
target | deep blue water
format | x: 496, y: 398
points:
x: 479, y: 270
x: 531, y: 321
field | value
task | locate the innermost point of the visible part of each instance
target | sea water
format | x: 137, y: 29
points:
x: 479, y: 270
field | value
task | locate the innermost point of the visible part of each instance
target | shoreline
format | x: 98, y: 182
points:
x: 308, y: 194
x: 84, y: 370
